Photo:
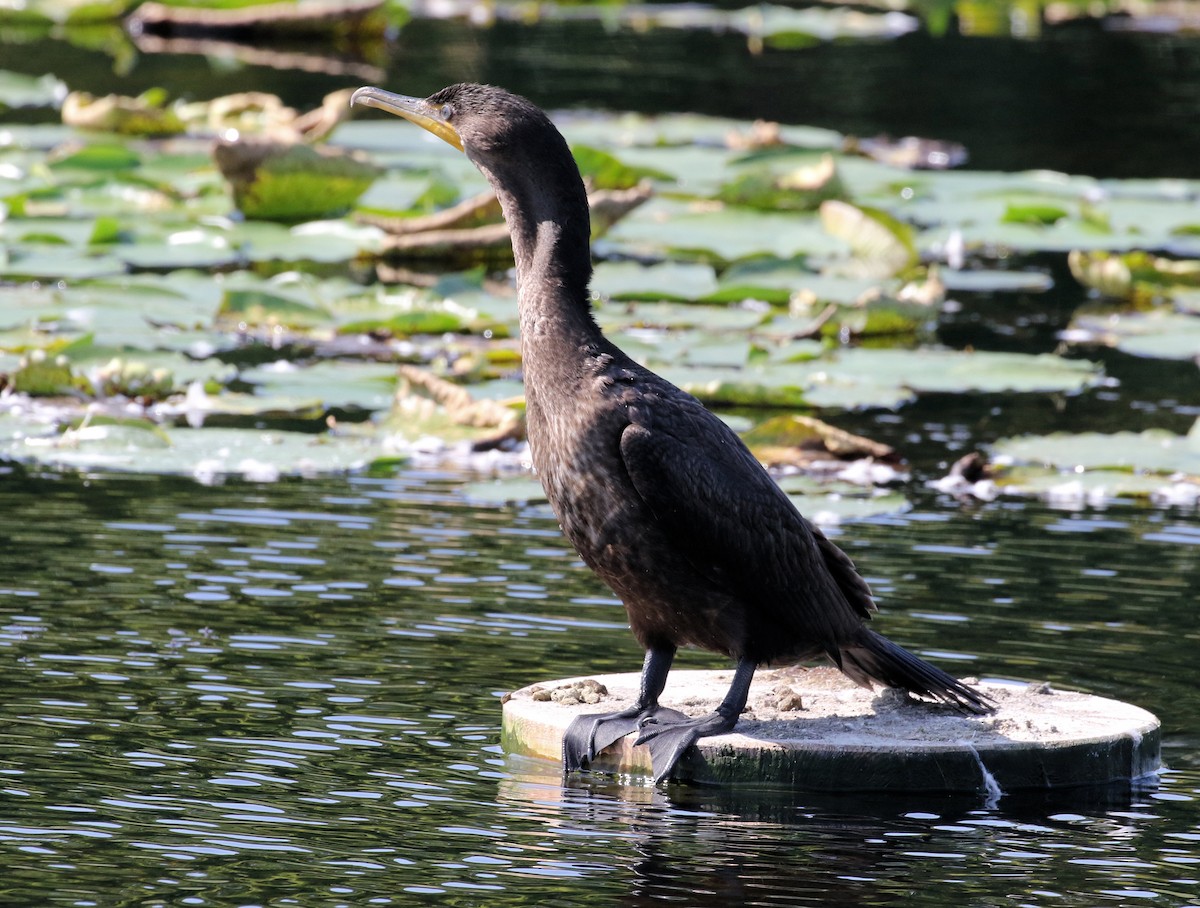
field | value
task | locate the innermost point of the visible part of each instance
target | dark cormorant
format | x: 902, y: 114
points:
x: 661, y: 499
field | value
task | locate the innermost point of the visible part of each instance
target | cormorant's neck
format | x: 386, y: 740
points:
x: 545, y: 206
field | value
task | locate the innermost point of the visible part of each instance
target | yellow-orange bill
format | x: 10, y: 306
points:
x: 415, y: 110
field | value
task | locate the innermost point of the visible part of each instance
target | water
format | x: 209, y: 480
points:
x: 1079, y: 98
x: 289, y: 694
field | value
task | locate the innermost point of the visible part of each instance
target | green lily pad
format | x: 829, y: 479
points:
x: 626, y: 317
x: 257, y: 307
x: 293, y: 182
x: 1095, y: 487
x: 1132, y: 273
x: 671, y: 229
x: 862, y: 377
x: 606, y: 171
x: 1038, y: 215
x: 800, y: 186
x: 666, y: 281
x: 205, y: 454
x: 20, y: 90
x: 881, y: 245
x: 145, y: 115
x: 344, y: 385
x: 42, y: 263
x: 989, y: 281
x: 312, y: 241
x: 1159, y: 333
x: 102, y: 157
x: 1151, y: 451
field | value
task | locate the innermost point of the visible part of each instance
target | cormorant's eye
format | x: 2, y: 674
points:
x: 447, y: 112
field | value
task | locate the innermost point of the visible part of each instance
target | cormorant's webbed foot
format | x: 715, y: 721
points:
x: 668, y: 738
x: 590, y: 734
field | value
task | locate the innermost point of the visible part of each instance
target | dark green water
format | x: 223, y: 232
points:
x: 289, y: 694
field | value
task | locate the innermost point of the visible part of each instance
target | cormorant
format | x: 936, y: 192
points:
x: 660, y: 497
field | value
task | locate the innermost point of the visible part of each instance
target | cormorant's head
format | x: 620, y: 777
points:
x: 478, y: 119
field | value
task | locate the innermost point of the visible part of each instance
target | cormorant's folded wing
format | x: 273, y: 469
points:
x: 719, y: 505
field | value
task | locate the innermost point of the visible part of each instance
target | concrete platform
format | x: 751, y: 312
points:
x: 814, y: 730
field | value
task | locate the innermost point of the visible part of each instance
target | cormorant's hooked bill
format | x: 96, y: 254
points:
x: 415, y: 110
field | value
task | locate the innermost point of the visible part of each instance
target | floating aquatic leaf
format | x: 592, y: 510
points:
x: 1035, y: 214
x: 74, y: 12
x: 20, y: 90
x: 606, y: 171
x: 205, y: 454
x: 624, y: 317
x: 989, y: 281
x: 187, y: 248
x: 145, y: 115
x: 280, y: 181
x: 134, y: 380
x: 1151, y: 451
x: 39, y: 375
x: 696, y: 171
x: 666, y: 281
x: 862, y: 377
x: 408, y: 324
x: 97, y: 157
x: 882, y: 246
x: 1126, y: 274
x: 1159, y: 333
x: 313, y: 241
x: 673, y: 229
x: 340, y: 385
x: 799, y: 187
x: 1094, y: 487
x: 257, y: 307
x: 41, y: 262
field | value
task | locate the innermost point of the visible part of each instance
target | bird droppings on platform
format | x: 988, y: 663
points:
x: 813, y: 729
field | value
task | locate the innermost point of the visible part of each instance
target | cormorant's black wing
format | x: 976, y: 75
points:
x: 718, y: 505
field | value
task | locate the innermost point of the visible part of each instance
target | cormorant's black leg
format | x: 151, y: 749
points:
x: 588, y: 735
x: 668, y: 739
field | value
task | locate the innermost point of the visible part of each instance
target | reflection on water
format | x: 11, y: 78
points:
x: 290, y: 694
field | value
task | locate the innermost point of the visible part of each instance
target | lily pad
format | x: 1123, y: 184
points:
x: 20, y: 90
x: 145, y: 115
x: 666, y: 281
x: 881, y: 245
x: 205, y: 454
x: 257, y: 307
x: 1151, y: 451
x: 862, y: 377
x: 1159, y: 333
x: 1132, y: 273
x: 984, y: 280
x: 667, y: 228
x: 1091, y: 487
x: 283, y: 181
x: 798, y: 187
x: 343, y: 385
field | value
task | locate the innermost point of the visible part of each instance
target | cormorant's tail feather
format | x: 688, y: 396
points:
x: 875, y: 658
